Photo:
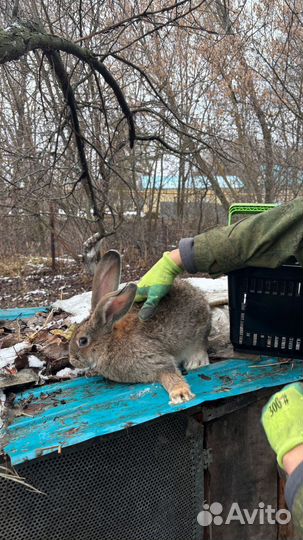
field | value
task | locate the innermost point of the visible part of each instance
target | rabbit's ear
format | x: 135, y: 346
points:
x: 116, y: 305
x: 107, y: 276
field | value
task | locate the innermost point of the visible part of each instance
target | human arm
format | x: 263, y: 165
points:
x: 282, y: 419
x: 262, y: 240
x: 293, y: 464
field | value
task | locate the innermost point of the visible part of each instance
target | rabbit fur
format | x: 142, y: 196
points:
x: 114, y: 343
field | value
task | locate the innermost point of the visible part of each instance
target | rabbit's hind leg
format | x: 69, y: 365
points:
x: 176, y: 386
x: 195, y: 356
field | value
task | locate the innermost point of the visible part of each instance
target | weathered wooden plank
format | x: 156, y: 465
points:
x: 243, y: 472
x: 211, y: 411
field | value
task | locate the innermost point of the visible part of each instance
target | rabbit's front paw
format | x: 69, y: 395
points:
x: 180, y: 393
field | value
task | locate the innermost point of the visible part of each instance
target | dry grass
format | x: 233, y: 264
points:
x: 15, y: 266
x: 30, y: 281
x: 11, y: 475
x: 11, y: 267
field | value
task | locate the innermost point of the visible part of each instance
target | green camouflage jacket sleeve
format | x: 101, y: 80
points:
x: 264, y: 240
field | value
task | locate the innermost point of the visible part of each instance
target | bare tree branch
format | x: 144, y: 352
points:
x: 21, y: 38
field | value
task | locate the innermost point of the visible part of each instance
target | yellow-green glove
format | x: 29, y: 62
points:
x: 282, y: 419
x: 155, y: 284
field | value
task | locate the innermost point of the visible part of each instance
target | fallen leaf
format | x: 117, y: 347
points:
x: 66, y: 334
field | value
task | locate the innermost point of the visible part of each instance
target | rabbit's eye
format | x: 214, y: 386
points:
x: 83, y: 341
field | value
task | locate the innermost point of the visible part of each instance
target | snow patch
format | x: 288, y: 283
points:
x: 9, y: 354
x: 78, y: 306
x: 209, y: 285
x: 35, y: 362
x: 2, y: 408
x: 38, y: 291
x: 69, y: 373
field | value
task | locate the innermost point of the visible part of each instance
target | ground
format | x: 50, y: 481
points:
x: 31, y: 282
x: 35, y: 351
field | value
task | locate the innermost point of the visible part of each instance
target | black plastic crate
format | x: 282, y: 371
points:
x: 266, y: 310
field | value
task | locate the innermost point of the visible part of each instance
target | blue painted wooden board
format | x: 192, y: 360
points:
x: 68, y: 413
x: 20, y: 313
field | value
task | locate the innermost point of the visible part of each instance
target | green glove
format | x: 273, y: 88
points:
x: 156, y: 284
x: 282, y: 419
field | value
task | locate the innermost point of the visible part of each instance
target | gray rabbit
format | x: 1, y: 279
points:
x: 116, y: 344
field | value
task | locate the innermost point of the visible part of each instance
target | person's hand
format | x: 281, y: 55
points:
x: 282, y: 419
x: 155, y: 284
